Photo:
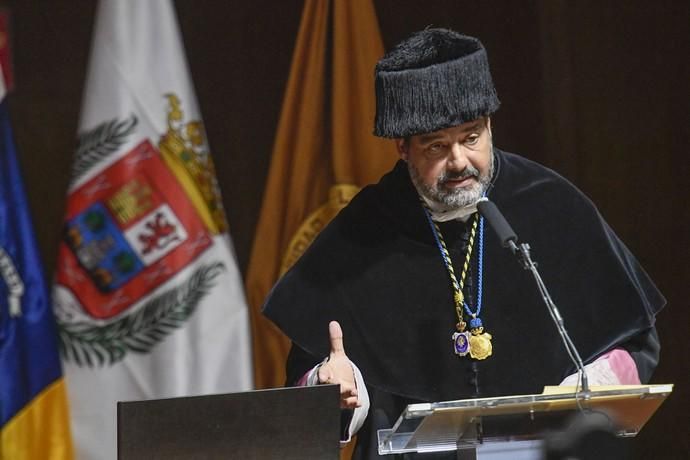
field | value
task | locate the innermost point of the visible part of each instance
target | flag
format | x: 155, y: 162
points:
x: 148, y: 296
x: 323, y: 154
x: 34, y: 420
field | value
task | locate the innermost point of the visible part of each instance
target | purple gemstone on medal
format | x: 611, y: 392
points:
x: 461, y: 343
x: 475, y: 323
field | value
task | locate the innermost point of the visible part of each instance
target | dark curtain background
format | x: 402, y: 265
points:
x: 600, y: 91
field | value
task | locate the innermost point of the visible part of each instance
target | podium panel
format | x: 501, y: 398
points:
x: 300, y: 423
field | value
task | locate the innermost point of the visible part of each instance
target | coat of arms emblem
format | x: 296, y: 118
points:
x: 132, y: 228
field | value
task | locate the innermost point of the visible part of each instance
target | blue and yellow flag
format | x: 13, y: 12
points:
x: 34, y: 422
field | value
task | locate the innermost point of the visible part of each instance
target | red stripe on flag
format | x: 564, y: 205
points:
x: 5, y: 52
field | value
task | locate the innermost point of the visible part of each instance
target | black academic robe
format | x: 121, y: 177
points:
x: 377, y: 270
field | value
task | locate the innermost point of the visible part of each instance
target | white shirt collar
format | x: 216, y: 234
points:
x: 440, y: 213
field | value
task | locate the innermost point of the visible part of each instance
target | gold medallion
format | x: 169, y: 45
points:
x: 480, y: 345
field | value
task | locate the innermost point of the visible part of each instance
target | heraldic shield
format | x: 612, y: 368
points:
x: 124, y: 234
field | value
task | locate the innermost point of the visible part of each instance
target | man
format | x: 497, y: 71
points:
x: 431, y: 306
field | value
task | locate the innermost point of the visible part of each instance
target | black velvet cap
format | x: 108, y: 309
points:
x: 435, y: 79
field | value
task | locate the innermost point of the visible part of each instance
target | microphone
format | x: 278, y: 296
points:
x: 509, y: 239
x: 500, y: 225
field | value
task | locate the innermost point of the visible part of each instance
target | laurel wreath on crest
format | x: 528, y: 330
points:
x: 95, y: 145
x: 96, y: 345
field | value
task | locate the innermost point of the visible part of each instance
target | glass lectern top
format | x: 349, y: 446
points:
x: 451, y: 425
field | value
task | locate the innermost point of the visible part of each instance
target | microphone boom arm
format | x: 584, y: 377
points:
x: 509, y: 239
x: 523, y: 255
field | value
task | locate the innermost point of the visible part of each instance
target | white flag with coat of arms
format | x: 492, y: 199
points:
x: 148, y: 296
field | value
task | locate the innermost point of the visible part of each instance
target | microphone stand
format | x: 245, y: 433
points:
x: 523, y: 255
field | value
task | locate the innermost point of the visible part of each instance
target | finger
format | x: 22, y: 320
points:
x: 347, y: 390
x: 335, y: 334
x: 348, y: 396
x: 350, y: 403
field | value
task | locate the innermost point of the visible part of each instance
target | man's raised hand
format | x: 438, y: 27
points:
x: 338, y: 369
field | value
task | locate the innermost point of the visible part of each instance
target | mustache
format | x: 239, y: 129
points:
x: 469, y: 171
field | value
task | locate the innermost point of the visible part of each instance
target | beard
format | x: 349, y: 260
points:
x: 453, y: 199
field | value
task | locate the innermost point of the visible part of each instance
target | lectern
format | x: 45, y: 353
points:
x: 507, y: 427
x: 301, y: 423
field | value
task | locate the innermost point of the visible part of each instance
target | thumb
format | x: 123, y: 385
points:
x: 335, y: 334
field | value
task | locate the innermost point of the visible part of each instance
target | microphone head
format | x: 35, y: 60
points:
x: 494, y: 217
x: 482, y: 199
x: 481, y: 204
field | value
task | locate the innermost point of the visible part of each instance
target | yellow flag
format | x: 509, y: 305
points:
x: 324, y: 153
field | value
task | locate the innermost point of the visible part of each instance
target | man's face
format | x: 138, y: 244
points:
x: 452, y: 166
